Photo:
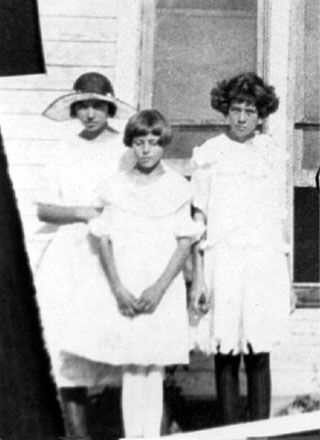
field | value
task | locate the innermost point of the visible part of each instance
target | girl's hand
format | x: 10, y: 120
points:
x: 127, y: 303
x: 150, y: 298
x: 199, y: 297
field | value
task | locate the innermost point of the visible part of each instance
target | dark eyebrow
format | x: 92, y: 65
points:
x: 237, y: 106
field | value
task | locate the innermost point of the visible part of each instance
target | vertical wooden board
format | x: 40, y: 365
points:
x: 128, y: 51
x: 78, y: 8
x: 312, y: 60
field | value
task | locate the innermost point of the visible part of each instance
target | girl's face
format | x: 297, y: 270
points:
x: 147, y: 151
x: 93, y: 114
x: 243, y: 120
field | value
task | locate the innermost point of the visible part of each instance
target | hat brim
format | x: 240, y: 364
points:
x: 59, y: 110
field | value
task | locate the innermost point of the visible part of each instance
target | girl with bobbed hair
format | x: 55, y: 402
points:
x: 148, y: 122
x: 145, y: 233
x: 241, y: 268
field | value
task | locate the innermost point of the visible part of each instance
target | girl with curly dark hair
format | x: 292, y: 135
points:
x: 241, y: 268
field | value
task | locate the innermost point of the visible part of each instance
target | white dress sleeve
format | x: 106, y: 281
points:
x: 186, y: 227
x: 101, y: 226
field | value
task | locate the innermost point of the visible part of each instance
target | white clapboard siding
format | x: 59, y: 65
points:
x: 27, y: 102
x: 78, y: 29
x: 29, y: 151
x: 56, y: 78
x: 78, y: 8
x: 18, y: 127
x: 25, y: 200
x: 24, y: 177
x: 26, y: 127
x: 80, y: 53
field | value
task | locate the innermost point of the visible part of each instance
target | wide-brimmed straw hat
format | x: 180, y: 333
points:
x: 89, y: 86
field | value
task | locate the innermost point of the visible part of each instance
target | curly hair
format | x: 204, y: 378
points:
x: 247, y: 87
x: 145, y: 122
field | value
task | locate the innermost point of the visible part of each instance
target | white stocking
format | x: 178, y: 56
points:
x: 153, y: 402
x: 142, y: 401
x: 133, y: 401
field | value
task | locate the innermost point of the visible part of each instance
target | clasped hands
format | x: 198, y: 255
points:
x: 131, y: 306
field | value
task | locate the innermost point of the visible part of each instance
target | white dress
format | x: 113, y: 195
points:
x: 143, y: 222
x: 238, y: 187
x: 66, y: 276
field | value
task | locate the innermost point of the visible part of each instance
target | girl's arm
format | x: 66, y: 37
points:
x: 127, y: 303
x: 151, y: 297
x: 199, y: 294
x: 63, y: 215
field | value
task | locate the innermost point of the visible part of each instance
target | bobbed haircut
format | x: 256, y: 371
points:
x: 146, y: 122
x: 247, y: 87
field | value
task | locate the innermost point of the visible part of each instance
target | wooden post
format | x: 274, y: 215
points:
x: 148, y: 18
x: 280, y: 72
x: 128, y: 50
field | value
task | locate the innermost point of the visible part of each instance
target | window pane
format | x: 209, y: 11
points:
x: 198, y: 43
x: 306, y: 235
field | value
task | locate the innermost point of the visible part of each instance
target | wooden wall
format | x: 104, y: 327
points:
x: 76, y: 39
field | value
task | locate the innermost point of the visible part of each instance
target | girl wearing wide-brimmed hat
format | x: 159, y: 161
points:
x: 66, y: 199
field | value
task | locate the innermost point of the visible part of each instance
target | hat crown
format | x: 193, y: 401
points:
x: 93, y: 82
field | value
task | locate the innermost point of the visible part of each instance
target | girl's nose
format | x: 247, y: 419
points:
x: 242, y: 116
x: 146, y: 148
x: 90, y: 112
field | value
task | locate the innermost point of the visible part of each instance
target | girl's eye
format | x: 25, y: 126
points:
x: 141, y: 143
x: 99, y: 105
x: 138, y: 143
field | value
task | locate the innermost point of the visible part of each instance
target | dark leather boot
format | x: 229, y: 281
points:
x: 227, y: 382
x: 259, y: 385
